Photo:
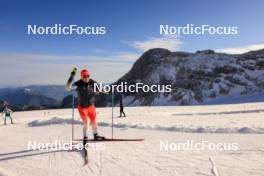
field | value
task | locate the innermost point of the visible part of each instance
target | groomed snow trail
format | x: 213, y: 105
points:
x: 137, y: 158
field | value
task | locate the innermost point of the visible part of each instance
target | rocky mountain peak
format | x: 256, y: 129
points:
x: 196, y: 77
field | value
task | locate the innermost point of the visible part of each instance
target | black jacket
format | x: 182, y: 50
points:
x: 85, y: 92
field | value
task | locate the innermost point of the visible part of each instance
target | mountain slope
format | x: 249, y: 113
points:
x: 195, y: 77
x: 53, y: 91
x: 27, y: 97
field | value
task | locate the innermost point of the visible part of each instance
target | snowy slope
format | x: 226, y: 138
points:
x: 196, y: 78
x: 155, y: 124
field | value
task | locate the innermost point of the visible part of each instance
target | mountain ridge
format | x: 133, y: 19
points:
x: 195, y: 77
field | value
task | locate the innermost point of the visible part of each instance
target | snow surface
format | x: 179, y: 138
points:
x: 236, y: 123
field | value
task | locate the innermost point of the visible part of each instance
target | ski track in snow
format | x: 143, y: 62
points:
x: 244, y: 125
x: 174, y: 128
x: 214, y: 169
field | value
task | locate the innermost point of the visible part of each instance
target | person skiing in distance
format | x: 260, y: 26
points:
x: 121, y: 106
x: 86, y: 101
x: 7, y: 113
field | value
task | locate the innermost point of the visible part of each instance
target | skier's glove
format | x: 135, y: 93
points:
x: 73, y: 73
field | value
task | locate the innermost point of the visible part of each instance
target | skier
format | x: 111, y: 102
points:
x: 7, y: 113
x: 121, y: 106
x: 86, y: 101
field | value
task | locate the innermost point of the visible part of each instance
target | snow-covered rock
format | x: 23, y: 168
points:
x: 196, y: 78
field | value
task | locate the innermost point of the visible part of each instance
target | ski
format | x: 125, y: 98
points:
x: 85, y: 151
x: 85, y: 141
x: 110, y: 140
x: 86, y: 160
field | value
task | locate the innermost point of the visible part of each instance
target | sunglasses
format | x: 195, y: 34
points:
x: 87, y: 76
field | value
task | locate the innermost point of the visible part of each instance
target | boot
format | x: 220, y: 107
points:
x: 98, y: 137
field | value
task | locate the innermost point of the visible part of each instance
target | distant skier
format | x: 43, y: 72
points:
x: 121, y: 106
x: 7, y: 113
x: 86, y: 101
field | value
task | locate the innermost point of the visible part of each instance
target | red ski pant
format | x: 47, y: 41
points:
x: 87, y: 112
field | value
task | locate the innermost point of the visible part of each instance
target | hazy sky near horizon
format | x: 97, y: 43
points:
x: 132, y: 28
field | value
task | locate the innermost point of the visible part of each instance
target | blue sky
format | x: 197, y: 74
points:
x: 131, y: 27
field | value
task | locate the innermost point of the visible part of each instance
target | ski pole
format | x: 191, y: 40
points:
x: 72, y: 116
x: 72, y: 75
x: 112, y: 115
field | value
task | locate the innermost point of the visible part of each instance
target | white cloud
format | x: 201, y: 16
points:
x: 99, y: 51
x: 126, y: 56
x: 26, y: 69
x: 171, y: 42
x: 29, y: 68
x: 242, y: 49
